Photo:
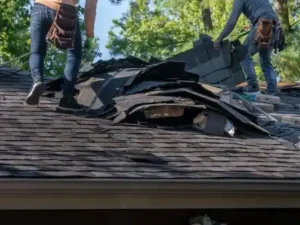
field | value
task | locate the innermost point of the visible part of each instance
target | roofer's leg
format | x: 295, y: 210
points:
x: 248, y: 64
x: 268, y: 70
x: 39, y: 26
x: 74, y: 56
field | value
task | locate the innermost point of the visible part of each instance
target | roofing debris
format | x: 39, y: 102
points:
x: 38, y: 142
x: 214, y: 66
x: 187, y: 91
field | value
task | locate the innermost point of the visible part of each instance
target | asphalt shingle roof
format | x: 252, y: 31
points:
x: 37, y: 142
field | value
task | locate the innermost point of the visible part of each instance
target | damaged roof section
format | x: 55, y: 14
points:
x: 178, y: 93
x: 91, y: 147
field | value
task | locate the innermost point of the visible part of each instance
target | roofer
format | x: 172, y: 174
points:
x: 56, y: 21
x: 261, y: 39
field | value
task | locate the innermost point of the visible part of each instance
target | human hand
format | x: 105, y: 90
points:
x: 90, y: 43
x: 217, y: 44
x: 247, y: 28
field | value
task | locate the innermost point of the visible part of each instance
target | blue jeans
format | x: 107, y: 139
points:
x: 42, y: 18
x: 265, y: 62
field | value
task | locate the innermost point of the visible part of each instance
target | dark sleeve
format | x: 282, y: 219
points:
x: 237, y: 9
x: 278, y: 23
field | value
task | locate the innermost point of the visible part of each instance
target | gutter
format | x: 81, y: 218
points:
x: 57, y: 194
x: 145, y: 185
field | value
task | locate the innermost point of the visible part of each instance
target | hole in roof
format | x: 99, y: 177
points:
x: 138, y: 156
x: 232, y: 151
x: 141, y: 160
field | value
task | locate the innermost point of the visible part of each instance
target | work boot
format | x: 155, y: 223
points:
x: 35, y: 93
x: 274, y: 92
x: 69, y: 105
x: 249, y: 88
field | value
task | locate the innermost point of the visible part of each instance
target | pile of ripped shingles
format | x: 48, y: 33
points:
x: 166, y: 95
x: 171, y: 94
x: 163, y: 95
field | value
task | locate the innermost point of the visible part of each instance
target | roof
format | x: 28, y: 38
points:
x: 37, y: 142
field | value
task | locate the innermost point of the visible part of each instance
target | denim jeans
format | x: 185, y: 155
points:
x: 42, y: 18
x: 265, y: 62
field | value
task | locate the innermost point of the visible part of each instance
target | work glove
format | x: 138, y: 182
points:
x: 217, y: 44
x: 247, y: 28
x: 90, y: 44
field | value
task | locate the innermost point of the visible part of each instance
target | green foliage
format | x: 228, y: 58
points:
x: 162, y: 28
x: 287, y: 63
x: 14, y: 23
x: 15, y: 38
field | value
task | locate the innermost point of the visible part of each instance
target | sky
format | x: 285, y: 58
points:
x: 106, y: 12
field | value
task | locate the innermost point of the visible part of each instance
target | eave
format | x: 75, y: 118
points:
x: 147, y: 194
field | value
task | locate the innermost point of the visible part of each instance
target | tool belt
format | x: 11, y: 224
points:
x: 264, y: 33
x: 63, y: 29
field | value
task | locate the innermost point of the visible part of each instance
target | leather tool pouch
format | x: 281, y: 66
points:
x: 264, y: 33
x: 63, y: 29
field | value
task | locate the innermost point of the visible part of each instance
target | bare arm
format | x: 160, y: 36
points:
x: 90, y: 16
x: 237, y: 9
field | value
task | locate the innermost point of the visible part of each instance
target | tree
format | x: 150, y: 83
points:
x: 282, y: 9
x: 146, y: 30
x: 287, y: 63
x: 14, y: 23
x: 15, y: 38
x: 166, y: 27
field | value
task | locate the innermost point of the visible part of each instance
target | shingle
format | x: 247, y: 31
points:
x: 220, y: 159
x: 38, y: 142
